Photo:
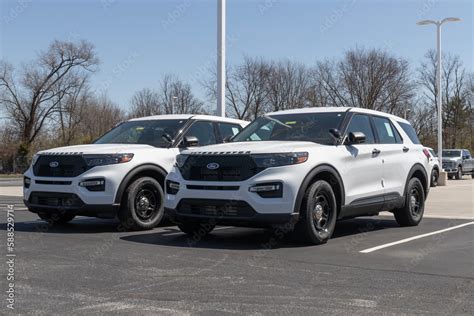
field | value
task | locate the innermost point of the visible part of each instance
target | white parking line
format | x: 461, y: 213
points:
x: 413, y: 238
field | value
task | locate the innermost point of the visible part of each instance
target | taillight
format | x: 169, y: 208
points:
x: 427, y: 154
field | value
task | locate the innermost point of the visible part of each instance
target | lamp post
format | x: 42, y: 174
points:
x: 438, y: 85
x: 221, y: 57
x: 173, y: 99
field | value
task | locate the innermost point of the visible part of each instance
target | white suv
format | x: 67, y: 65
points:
x: 122, y: 173
x: 304, y: 167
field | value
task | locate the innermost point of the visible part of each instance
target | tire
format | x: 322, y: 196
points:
x: 197, y: 229
x: 143, y: 205
x: 459, y: 173
x: 434, y: 178
x: 472, y: 175
x: 411, y: 213
x: 57, y: 218
x: 317, y: 214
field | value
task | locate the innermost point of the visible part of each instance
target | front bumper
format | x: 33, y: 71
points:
x: 237, y: 206
x: 46, y: 194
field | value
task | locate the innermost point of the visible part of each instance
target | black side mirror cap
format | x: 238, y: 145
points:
x: 356, y: 138
x: 190, y: 141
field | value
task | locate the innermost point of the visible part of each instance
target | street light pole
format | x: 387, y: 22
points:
x: 221, y: 57
x: 438, y: 85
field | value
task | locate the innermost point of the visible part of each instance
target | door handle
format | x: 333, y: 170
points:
x: 375, y: 151
x: 405, y: 149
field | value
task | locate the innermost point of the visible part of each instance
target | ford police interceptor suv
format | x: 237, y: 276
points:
x: 305, y: 167
x: 122, y: 173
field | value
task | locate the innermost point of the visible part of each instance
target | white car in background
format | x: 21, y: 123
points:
x: 434, y: 167
x: 302, y: 170
x: 122, y: 173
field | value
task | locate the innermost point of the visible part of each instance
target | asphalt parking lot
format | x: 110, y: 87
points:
x: 370, y: 266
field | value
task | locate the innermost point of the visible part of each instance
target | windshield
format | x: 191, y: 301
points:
x: 313, y: 127
x: 451, y: 153
x: 149, y: 132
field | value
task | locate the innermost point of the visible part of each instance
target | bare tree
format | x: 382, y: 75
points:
x: 371, y: 79
x: 33, y: 97
x: 101, y: 115
x: 455, y: 99
x: 145, y: 102
x: 176, y: 97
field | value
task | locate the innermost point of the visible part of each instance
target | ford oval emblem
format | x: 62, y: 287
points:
x: 213, y: 166
x: 53, y: 164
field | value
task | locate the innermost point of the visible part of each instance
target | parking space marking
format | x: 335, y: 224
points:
x: 413, y: 238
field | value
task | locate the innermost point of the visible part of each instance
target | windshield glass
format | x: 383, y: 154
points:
x: 313, y: 127
x: 451, y: 153
x: 149, y: 132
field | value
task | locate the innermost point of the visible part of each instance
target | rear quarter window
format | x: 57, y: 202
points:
x: 410, y: 131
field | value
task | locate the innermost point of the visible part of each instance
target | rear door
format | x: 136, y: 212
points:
x: 364, y: 165
x: 395, y: 154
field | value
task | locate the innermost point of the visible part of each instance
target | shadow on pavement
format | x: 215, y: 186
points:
x: 252, y: 239
x: 80, y: 225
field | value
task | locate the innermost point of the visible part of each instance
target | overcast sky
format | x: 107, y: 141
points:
x: 139, y: 41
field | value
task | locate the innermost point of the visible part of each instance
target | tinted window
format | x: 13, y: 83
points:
x: 466, y: 154
x: 227, y: 129
x: 410, y: 131
x: 361, y: 123
x: 432, y: 153
x: 385, y: 131
x: 204, y: 131
x: 313, y: 127
x: 148, y: 132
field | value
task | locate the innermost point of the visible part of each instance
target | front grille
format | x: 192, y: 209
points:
x: 59, y: 166
x: 53, y: 182
x: 215, y: 208
x: 231, y: 168
x: 55, y: 199
x: 213, y: 187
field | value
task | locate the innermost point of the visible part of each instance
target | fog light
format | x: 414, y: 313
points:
x: 172, y: 187
x: 93, y: 184
x: 268, y: 190
x: 26, y: 182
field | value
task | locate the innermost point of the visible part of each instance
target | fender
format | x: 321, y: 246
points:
x: 310, y: 176
x: 132, y: 173
x: 417, y: 167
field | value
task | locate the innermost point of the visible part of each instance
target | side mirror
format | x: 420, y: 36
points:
x: 227, y: 139
x: 190, y: 141
x: 356, y: 138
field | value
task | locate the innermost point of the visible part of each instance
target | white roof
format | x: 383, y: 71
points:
x: 188, y: 116
x: 338, y: 109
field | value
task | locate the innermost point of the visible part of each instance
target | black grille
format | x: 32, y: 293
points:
x: 67, y: 166
x: 55, y: 199
x: 215, y: 208
x: 231, y: 168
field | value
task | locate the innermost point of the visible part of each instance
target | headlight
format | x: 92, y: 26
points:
x: 181, y: 159
x: 280, y: 159
x: 106, y: 159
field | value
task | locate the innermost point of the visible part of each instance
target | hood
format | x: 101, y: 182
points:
x: 99, y: 149
x: 257, y: 147
x: 448, y: 159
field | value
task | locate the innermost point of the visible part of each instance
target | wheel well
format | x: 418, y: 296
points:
x: 422, y: 177
x: 333, y: 181
x: 152, y: 171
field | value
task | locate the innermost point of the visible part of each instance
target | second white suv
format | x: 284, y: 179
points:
x: 305, y: 167
x: 122, y: 173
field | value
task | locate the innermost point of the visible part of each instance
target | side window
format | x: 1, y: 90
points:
x: 361, y: 123
x: 227, y: 129
x: 385, y: 131
x: 410, y: 131
x: 466, y: 154
x: 204, y: 131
